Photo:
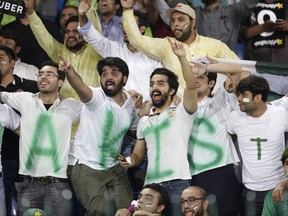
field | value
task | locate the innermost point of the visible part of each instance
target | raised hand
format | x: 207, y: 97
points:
x: 64, y: 65
x: 30, y: 6
x: 84, y: 6
x: 177, y: 47
x: 198, y: 68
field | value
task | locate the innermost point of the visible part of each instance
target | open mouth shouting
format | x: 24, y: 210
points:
x: 109, y: 85
x: 156, y: 95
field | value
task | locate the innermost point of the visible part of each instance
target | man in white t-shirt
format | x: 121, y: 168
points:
x: 164, y: 133
x: 260, y: 133
x: 212, y: 154
x: 108, y: 114
x: 9, y: 119
x: 46, y: 122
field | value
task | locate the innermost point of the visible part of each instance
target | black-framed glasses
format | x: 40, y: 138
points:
x: 46, y: 74
x: 191, y: 200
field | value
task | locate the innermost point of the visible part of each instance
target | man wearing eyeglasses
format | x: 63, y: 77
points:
x: 45, y: 133
x: 193, y: 202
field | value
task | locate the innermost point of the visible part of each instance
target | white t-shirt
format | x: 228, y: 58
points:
x: 261, y: 143
x: 103, y: 125
x: 166, y: 135
x: 9, y: 119
x: 210, y: 145
x: 44, y: 135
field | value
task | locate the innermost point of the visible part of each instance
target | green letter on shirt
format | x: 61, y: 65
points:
x: 43, y: 125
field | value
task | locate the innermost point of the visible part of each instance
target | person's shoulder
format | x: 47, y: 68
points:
x: 237, y: 114
x: 276, y: 108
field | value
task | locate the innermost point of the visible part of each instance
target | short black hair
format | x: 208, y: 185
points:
x: 9, y: 52
x: 72, y: 19
x: 113, y: 62
x: 164, y: 197
x: 61, y: 74
x: 12, y: 35
x: 255, y: 85
x: 172, y: 78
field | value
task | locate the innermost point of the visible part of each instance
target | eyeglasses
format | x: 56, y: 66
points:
x: 48, y: 74
x: 190, y: 200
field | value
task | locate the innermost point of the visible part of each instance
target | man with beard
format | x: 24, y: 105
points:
x: 152, y: 201
x: 182, y: 23
x: 164, y: 133
x: 108, y: 114
x: 81, y: 55
x: 193, y: 201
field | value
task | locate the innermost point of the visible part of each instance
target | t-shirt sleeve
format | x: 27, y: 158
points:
x: 9, y: 118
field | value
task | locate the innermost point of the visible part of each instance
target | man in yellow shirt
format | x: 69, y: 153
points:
x: 81, y: 55
x: 182, y: 23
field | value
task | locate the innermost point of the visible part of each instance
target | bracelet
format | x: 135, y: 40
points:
x: 207, y: 70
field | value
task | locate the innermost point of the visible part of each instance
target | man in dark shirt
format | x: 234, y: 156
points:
x: 31, y: 52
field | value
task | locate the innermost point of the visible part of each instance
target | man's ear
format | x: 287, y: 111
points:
x: 12, y: 62
x: 160, y: 208
x: 125, y: 78
x: 258, y: 98
x: 17, y: 50
x: 211, y: 83
x: 171, y: 91
x: 60, y: 83
x: 193, y: 24
x: 205, y: 205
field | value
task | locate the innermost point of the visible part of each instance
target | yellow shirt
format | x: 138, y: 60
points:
x: 84, y: 61
x: 160, y: 48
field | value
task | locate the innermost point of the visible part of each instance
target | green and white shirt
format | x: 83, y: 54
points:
x: 166, y: 135
x: 45, y: 134
x: 103, y: 125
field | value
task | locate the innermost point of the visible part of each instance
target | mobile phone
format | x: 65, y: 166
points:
x: 279, y: 20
